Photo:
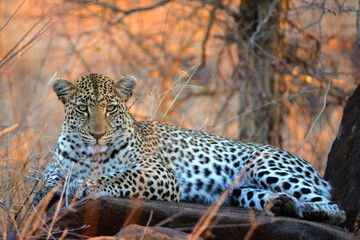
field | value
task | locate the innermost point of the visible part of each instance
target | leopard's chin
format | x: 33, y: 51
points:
x: 97, y: 148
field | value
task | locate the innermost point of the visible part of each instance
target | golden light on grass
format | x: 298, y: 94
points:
x: 76, y: 37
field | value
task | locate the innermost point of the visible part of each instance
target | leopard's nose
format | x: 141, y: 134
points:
x: 97, y: 136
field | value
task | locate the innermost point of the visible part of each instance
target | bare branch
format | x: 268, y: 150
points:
x: 119, y: 10
x: 12, y: 15
x: 35, y: 38
x: 206, y: 38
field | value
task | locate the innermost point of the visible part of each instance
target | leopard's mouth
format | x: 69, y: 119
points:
x: 103, y: 141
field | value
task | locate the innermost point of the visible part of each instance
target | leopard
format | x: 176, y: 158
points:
x: 103, y: 151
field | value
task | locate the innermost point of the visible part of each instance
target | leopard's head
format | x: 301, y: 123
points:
x: 95, y: 106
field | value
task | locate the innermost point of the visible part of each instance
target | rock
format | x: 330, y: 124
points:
x: 152, y: 233
x: 106, y: 216
x: 343, y: 166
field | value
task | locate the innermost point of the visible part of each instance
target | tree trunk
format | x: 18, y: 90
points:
x: 260, y: 43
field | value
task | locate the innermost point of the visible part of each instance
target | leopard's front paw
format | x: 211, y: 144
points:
x: 77, y: 188
x: 47, y: 192
x: 84, y: 188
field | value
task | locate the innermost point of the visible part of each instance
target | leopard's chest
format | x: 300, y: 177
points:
x: 84, y: 162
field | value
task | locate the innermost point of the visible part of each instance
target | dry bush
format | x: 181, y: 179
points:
x: 263, y: 70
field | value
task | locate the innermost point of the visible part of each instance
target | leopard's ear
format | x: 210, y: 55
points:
x: 64, y: 89
x: 125, y: 86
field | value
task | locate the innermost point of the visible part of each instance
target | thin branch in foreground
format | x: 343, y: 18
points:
x: 12, y: 15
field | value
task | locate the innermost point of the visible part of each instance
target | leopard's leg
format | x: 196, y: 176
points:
x: 54, y: 175
x: 50, y: 182
x: 282, y: 204
x: 264, y: 200
x: 312, y: 203
x: 299, y: 181
x: 155, y: 183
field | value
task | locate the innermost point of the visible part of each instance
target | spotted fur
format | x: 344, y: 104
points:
x: 110, y: 154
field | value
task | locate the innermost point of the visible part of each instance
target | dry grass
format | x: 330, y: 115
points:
x: 40, y: 38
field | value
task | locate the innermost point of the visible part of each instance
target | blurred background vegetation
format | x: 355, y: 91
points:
x: 260, y: 71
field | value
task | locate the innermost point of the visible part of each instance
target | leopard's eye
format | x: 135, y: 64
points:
x: 111, y: 108
x: 82, y: 108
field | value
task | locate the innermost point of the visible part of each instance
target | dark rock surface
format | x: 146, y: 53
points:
x: 134, y: 231
x: 343, y: 167
x: 107, y: 216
